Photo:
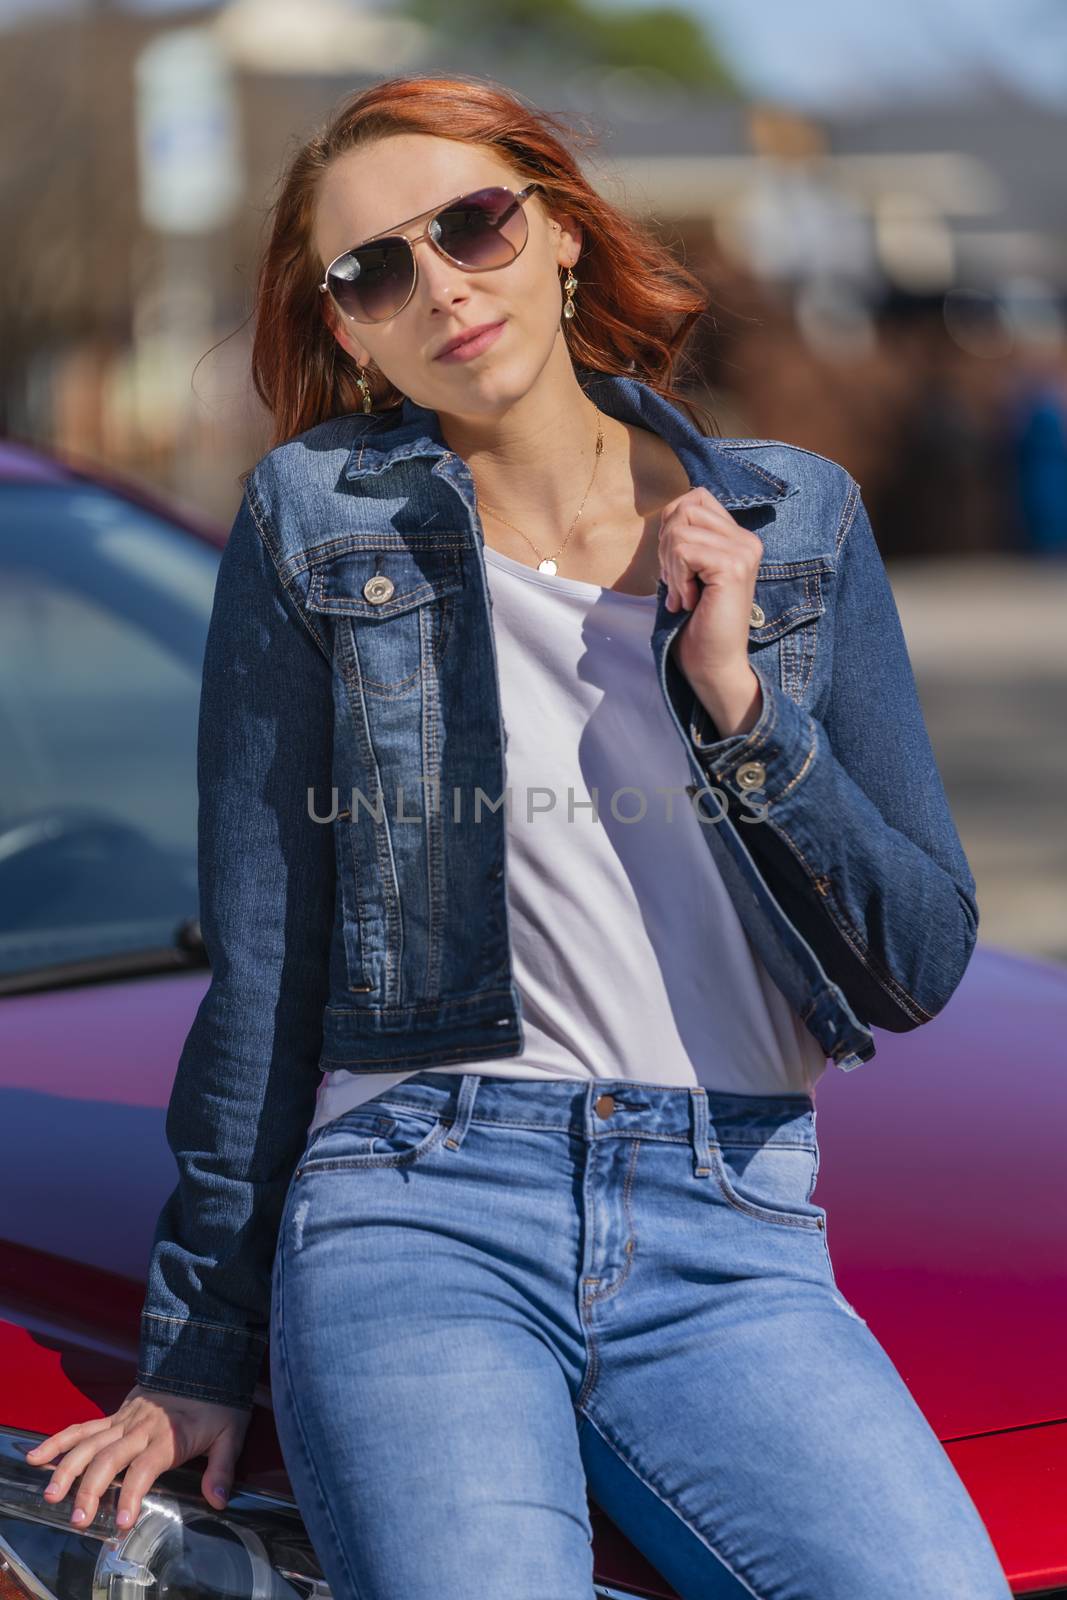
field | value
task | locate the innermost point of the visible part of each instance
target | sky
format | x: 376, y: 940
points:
x: 822, y: 51
x: 830, y: 53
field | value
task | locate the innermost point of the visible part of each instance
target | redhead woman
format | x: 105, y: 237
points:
x: 566, y: 809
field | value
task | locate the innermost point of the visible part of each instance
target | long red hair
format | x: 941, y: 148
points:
x: 634, y: 311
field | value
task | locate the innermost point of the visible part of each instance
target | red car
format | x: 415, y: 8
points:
x: 942, y: 1159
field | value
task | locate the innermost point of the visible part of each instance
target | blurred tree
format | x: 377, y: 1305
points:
x: 549, y: 33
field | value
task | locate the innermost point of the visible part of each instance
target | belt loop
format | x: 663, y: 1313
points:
x: 468, y: 1088
x: 698, y: 1105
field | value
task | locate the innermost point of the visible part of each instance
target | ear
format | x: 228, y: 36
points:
x: 569, y: 238
x: 340, y: 330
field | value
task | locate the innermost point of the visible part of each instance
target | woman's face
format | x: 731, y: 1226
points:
x: 373, y: 190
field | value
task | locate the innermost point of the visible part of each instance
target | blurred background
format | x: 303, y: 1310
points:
x: 875, y: 197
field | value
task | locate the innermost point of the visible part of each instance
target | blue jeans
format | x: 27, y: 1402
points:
x: 490, y: 1297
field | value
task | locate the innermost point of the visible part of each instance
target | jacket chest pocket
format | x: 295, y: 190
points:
x: 789, y: 603
x: 394, y: 603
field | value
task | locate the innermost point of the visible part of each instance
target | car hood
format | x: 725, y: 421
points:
x: 941, y: 1172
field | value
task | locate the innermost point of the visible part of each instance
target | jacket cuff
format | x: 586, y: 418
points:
x: 770, y: 759
x: 177, y: 1352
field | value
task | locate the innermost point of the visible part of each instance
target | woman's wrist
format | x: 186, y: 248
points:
x: 733, y: 701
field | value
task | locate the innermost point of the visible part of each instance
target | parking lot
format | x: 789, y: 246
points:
x: 988, y: 640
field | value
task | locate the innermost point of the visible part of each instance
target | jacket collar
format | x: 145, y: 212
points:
x: 414, y: 430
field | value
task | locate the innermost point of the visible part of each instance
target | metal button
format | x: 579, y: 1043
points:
x: 757, y: 616
x: 378, y: 589
x: 605, y: 1105
x: 751, y: 775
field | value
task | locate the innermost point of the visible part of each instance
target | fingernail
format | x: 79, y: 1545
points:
x: 79, y: 1515
x: 123, y: 1518
x: 220, y: 1491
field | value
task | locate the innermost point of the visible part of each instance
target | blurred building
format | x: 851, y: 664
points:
x: 887, y: 289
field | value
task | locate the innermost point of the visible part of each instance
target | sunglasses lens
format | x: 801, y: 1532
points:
x: 372, y: 283
x: 483, y: 230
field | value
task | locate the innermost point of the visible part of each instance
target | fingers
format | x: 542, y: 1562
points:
x: 149, y: 1434
x: 138, y: 1478
x: 97, y: 1460
x: 97, y: 1451
x: 698, y: 496
x: 706, y: 541
x: 43, y: 1452
x: 709, y: 554
x: 101, y: 1473
x: 77, y: 1456
x: 221, y: 1466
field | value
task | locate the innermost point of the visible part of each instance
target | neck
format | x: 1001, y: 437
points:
x: 533, y: 461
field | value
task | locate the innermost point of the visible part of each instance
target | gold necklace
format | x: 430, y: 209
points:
x: 548, y: 563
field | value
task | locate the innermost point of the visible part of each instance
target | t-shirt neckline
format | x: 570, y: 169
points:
x: 575, y: 586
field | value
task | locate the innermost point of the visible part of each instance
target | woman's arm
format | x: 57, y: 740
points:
x: 244, y: 1092
x: 857, y: 841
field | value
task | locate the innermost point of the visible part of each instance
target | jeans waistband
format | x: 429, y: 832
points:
x: 604, y: 1108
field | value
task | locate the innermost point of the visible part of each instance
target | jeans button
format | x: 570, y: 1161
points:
x: 605, y: 1105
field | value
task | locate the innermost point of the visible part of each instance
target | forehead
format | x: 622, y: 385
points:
x: 378, y: 187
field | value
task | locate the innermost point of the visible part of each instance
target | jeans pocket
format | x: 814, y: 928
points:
x: 769, y: 1181
x: 369, y: 1137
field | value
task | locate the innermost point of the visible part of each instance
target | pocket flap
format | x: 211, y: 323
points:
x: 787, y: 594
x: 338, y: 585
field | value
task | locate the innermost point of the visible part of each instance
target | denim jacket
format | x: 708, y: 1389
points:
x: 351, y: 649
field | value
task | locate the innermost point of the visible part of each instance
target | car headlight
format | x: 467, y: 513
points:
x: 257, y: 1549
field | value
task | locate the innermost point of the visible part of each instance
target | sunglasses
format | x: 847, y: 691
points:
x: 477, y: 232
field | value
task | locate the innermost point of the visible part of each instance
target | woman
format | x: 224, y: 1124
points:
x: 548, y: 1225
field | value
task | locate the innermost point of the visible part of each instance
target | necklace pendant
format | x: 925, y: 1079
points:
x: 547, y: 565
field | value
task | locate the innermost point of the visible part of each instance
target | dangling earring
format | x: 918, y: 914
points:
x: 364, y: 386
x: 569, y: 286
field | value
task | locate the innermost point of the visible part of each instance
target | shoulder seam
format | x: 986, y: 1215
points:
x: 780, y: 444
x: 261, y: 522
x: 848, y: 513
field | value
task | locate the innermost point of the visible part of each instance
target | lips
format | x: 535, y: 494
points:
x: 469, y: 337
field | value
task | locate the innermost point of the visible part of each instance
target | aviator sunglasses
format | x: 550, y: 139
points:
x: 477, y: 232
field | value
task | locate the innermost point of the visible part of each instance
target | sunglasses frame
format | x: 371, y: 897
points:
x: 427, y: 216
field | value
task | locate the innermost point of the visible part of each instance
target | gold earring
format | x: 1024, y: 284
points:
x: 569, y: 286
x: 364, y: 386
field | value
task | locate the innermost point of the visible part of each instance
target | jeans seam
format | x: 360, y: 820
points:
x: 627, y: 1201
x: 848, y: 515
x: 907, y: 1003
x: 191, y: 1389
x: 370, y: 1158
x: 669, y: 1503
x: 195, y: 1322
x: 261, y: 521
x: 309, y: 1457
x: 759, y: 1212
x: 587, y: 1301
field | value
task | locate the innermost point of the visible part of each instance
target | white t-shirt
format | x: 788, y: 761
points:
x: 627, y: 952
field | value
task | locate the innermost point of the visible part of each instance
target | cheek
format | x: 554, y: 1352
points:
x: 534, y: 287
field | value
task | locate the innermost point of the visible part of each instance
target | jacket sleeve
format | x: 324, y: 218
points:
x: 856, y: 839
x: 244, y: 1091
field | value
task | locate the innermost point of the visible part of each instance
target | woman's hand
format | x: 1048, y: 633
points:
x: 150, y: 1432
x: 700, y: 539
